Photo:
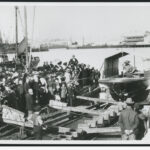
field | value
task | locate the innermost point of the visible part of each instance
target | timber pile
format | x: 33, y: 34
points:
x: 97, y: 125
x: 101, y: 123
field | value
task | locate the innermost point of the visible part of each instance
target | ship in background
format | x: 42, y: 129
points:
x: 131, y: 41
x: 137, y: 40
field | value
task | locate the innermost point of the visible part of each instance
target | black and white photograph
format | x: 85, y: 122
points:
x: 74, y: 73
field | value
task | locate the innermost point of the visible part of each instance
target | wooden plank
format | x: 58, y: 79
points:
x: 103, y: 130
x: 75, y: 109
x: 63, y: 129
x: 96, y: 100
x: 60, y: 122
x: 57, y: 119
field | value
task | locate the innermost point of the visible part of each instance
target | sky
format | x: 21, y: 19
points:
x: 95, y: 23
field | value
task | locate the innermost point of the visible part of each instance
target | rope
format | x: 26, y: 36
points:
x: 101, y: 66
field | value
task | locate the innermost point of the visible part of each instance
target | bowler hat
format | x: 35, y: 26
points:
x: 129, y: 101
x: 59, y: 63
x: 65, y: 63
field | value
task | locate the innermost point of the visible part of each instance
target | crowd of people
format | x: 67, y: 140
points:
x: 23, y: 91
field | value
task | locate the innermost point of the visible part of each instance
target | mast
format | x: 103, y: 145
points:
x: 26, y: 37
x: 30, y: 54
x: 16, y: 20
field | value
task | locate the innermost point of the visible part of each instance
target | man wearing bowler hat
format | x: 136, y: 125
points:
x: 129, y: 121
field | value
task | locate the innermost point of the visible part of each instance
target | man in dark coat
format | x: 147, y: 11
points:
x: 73, y: 61
x: 97, y: 76
x: 129, y: 121
x: 142, y: 128
x: 12, y: 99
x: 20, y: 92
x: 71, y: 95
x: 88, y: 74
x: 26, y: 86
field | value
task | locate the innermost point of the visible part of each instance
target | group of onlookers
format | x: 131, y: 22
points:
x: 61, y: 81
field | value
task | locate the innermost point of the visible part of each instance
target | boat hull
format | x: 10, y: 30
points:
x: 121, y: 88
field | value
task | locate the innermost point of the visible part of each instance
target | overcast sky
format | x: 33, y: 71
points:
x: 95, y: 23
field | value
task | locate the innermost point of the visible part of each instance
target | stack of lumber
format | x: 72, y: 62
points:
x: 98, y: 124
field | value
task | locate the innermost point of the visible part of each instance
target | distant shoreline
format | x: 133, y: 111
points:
x: 81, y: 47
x: 114, y: 46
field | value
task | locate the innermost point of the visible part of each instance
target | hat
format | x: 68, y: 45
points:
x: 129, y: 101
x: 59, y: 63
x: 127, y: 62
x: 65, y: 63
x: 37, y: 108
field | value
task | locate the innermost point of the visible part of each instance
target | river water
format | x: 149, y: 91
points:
x: 95, y: 57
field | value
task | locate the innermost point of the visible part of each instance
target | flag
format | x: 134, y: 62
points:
x: 22, y: 46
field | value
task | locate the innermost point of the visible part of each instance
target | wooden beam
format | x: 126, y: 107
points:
x: 96, y: 99
x: 81, y: 110
x: 59, y: 105
x: 103, y: 130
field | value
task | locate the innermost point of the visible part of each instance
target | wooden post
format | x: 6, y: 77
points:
x: 148, y: 124
x: 16, y: 19
x: 100, y: 120
x: 21, y: 132
x: 93, y: 124
x: 106, y: 118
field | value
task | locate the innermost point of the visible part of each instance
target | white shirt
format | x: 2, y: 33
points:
x: 67, y: 76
